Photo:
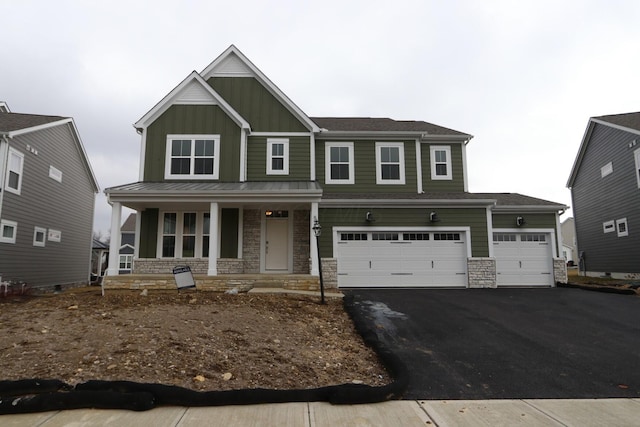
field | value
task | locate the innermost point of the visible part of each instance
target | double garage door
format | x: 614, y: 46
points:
x: 402, y: 259
x: 523, y: 259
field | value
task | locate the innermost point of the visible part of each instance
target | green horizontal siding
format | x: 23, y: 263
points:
x: 475, y: 218
x: 365, y: 169
x: 299, y: 163
x: 256, y: 104
x: 457, y: 169
x: 546, y: 220
x: 148, y: 233
x: 188, y: 120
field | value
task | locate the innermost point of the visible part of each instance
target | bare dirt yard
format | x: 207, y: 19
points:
x: 201, y: 341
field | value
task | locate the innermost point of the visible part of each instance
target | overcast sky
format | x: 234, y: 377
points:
x: 522, y: 76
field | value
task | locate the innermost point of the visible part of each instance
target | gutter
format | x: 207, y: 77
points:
x: 4, y: 161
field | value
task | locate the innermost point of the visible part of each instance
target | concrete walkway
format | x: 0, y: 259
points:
x: 400, y: 413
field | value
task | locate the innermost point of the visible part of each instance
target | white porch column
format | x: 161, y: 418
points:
x: 114, y: 245
x: 315, y: 256
x: 214, y: 237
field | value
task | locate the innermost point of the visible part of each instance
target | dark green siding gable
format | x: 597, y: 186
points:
x: 452, y: 185
x: 256, y: 104
x: 365, y: 168
x: 299, y: 163
x: 188, y: 120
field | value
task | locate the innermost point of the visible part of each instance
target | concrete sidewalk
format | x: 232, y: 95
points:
x: 536, y: 412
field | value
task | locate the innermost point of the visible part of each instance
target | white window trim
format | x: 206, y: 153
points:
x: 55, y: 173
x: 327, y: 163
x: 270, y: 143
x: 606, y: 170
x: 609, y: 226
x: 20, y: 172
x: 432, y: 151
x: 626, y: 227
x: 636, y: 154
x: 191, y: 175
x: 6, y: 223
x: 37, y: 242
x: 179, y: 226
x: 379, y: 179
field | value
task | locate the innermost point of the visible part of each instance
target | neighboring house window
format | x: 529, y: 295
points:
x: 39, y: 235
x: 440, y: 162
x: 192, y: 156
x: 126, y: 261
x: 55, y: 173
x: 606, y: 170
x: 339, y: 163
x: 14, y: 171
x: 609, y: 226
x: 389, y: 163
x: 277, y: 157
x: 622, y: 227
x: 637, y: 156
x: 54, y: 235
x: 8, y: 231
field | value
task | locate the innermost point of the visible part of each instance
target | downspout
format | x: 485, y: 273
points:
x: 4, y: 150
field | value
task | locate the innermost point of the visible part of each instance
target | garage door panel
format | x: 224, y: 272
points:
x: 525, y: 261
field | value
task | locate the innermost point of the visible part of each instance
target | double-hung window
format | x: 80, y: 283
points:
x: 277, y: 156
x: 14, y: 171
x: 390, y: 163
x: 339, y: 164
x: 192, y: 157
x: 126, y: 262
x: 440, y: 162
x: 184, y: 235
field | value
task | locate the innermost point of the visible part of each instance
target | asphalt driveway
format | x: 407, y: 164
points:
x: 510, y: 343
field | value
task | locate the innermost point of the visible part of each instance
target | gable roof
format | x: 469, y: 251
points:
x: 233, y: 63
x: 12, y: 124
x: 627, y: 122
x: 129, y: 225
x: 383, y: 124
x: 195, y: 91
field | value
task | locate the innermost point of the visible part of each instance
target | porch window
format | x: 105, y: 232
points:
x: 192, y: 156
x: 189, y: 235
x: 169, y: 235
x: 277, y: 156
x: 339, y: 163
x: 206, y: 224
x: 390, y: 163
x: 184, y: 235
x: 440, y: 162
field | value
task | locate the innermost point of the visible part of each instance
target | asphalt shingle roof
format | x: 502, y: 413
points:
x: 381, y: 124
x: 502, y: 199
x: 628, y: 120
x: 10, y: 122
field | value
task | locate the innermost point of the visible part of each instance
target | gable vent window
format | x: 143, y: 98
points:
x: 192, y: 156
x: 606, y: 170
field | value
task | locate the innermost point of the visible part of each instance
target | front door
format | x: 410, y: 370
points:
x: 277, y: 245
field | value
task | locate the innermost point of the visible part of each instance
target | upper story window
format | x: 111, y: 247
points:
x: 389, y: 163
x: 440, y: 162
x: 277, y: 156
x: 339, y: 163
x: 8, y: 231
x: 14, y: 171
x: 192, y: 156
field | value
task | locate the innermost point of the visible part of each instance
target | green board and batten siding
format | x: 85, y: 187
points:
x: 476, y: 218
x: 190, y: 120
x: 299, y: 166
x: 256, y: 105
x: 452, y: 185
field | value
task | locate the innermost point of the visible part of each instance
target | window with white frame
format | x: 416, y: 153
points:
x: 440, y: 162
x: 184, y: 235
x: 636, y: 154
x: 126, y: 262
x: 339, y: 163
x: 14, y: 171
x: 622, y: 227
x: 606, y: 170
x: 8, y: 231
x: 277, y: 156
x: 39, y: 236
x: 55, y: 173
x: 390, y: 163
x: 192, y: 156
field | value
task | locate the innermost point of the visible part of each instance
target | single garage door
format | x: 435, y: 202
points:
x: 523, y: 259
x: 398, y: 259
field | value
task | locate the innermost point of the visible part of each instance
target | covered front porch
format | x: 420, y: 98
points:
x: 230, y: 235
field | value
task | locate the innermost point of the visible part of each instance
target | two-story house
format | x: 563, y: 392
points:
x: 605, y: 192
x: 47, y: 197
x: 234, y: 176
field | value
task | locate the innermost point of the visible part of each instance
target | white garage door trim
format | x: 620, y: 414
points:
x: 449, y: 254
x: 524, y: 263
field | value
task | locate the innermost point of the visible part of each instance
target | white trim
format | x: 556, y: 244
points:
x: 281, y: 134
x: 114, y: 244
x: 6, y: 223
x: 490, y: 230
x: 243, y: 155
x: 636, y: 155
x: 447, y: 150
x: 327, y: 162
x: 620, y: 222
x: 285, y: 156
x: 312, y: 157
x: 192, y: 175
x: 55, y: 173
x: 240, y: 231
x: 136, y: 247
x: 606, y: 170
x: 401, y: 179
x: 43, y: 232
x: 143, y: 153
x: 20, y: 172
x: 558, y: 250
x: 464, y: 167
x: 419, y: 167
x: 315, y: 256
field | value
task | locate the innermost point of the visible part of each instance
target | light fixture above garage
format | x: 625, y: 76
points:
x: 520, y: 221
x: 433, y: 217
x: 369, y: 217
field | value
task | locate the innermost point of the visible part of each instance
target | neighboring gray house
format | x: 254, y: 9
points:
x: 127, y: 244
x: 605, y: 189
x: 569, y: 245
x: 47, y: 197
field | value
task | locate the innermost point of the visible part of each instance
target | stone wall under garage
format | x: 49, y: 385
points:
x: 482, y: 272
